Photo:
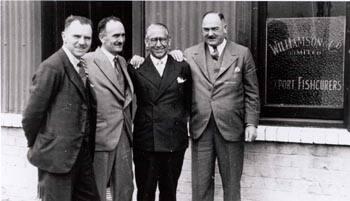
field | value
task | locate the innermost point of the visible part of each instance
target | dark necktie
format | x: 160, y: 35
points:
x: 120, y: 75
x: 215, y: 53
x: 82, y: 72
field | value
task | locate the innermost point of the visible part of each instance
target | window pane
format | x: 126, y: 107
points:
x: 305, y: 62
x: 304, y: 59
x: 305, y: 9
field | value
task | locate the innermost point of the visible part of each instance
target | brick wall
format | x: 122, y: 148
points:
x: 18, y: 176
x: 296, y: 172
x: 273, y: 171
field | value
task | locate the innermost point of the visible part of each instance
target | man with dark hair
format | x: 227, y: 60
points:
x: 225, y: 108
x: 163, y: 91
x: 114, y: 91
x: 60, y: 117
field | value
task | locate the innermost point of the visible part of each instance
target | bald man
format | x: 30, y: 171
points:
x: 225, y: 109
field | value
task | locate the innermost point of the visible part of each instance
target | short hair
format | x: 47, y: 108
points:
x: 81, y: 19
x: 221, y: 16
x: 157, y: 24
x: 102, y: 24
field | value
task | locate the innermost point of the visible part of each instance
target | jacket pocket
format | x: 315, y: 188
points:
x: 44, y: 141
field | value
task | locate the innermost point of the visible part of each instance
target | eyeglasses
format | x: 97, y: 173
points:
x: 153, y: 41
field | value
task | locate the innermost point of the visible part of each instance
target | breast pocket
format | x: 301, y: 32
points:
x: 236, y: 77
x: 180, y: 88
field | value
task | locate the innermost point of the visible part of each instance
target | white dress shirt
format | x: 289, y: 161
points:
x: 109, y: 55
x: 219, y: 47
x: 73, y: 60
x: 159, y: 63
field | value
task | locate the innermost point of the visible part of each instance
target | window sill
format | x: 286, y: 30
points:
x: 267, y: 133
x: 304, y: 135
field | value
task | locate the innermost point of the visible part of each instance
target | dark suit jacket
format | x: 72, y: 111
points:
x: 233, y: 97
x: 114, y: 111
x: 59, y: 111
x: 163, y: 105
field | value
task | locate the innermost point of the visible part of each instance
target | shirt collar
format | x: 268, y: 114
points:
x: 219, y: 47
x: 73, y: 60
x: 109, y: 55
x: 155, y: 60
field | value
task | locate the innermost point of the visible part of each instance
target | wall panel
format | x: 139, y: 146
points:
x: 20, y: 51
x: 184, y: 19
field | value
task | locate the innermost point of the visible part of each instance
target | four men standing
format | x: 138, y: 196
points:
x: 219, y: 90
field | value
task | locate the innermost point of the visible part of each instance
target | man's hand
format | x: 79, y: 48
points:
x: 250, y: 133
x: 136, y: 61
x: 177, y: 55
x: 30, y: 152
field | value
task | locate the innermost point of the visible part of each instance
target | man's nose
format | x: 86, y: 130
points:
x: 158, y: 43
x: 121, y: 39
x: 210, y: 33
x: 81, y: 41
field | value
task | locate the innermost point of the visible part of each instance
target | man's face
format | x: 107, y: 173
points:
x: 113, y: 37
x: 157, y: 41
x: 213, y: 29
x: 77, y: 38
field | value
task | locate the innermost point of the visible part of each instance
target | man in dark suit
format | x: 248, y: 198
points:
x: 114, y: 92
x: 225, y: 106
x: 59, y: 119
x: 163, y: 91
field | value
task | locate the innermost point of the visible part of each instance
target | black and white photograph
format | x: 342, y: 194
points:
x: 174, y: 100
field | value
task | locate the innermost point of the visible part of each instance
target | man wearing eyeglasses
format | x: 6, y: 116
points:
x: 163, y: 90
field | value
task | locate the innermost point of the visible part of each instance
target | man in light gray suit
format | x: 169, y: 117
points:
x: 114, y: 93
x: 225, y: 105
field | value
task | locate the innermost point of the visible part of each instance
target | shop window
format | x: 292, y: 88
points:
x: 302, y: 58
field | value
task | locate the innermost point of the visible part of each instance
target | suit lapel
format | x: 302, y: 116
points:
x: 149, y: 71
x: 72, y: 74
x: 168, y: 76
x: 108, y: 70
x: 199, y: 58
x: 129, y: 88
x: 228, y: 58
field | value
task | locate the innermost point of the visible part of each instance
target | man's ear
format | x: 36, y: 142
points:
x: 169, y: 42
x: 225, y: 28
x: 63, y: 35
x: 146, y: 44
x: 101, y: 37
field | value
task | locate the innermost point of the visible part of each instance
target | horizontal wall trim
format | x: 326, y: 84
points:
x: 301, y: 135
x: 10, y: 120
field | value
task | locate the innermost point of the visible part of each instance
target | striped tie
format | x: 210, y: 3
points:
x: 215, y: 53
x: 82, y: 72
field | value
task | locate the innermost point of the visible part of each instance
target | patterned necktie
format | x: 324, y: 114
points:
x: 120, y: 75
x: 82, y: 71
x: 159, y: 67
x: 215, y: 53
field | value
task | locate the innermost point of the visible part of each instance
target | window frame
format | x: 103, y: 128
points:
x: 294, y: 116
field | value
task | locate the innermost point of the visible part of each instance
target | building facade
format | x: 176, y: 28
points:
x: 302, y: 52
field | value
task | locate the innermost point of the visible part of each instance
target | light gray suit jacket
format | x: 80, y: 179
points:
x: 233, y: 97
x: 114, y: 108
